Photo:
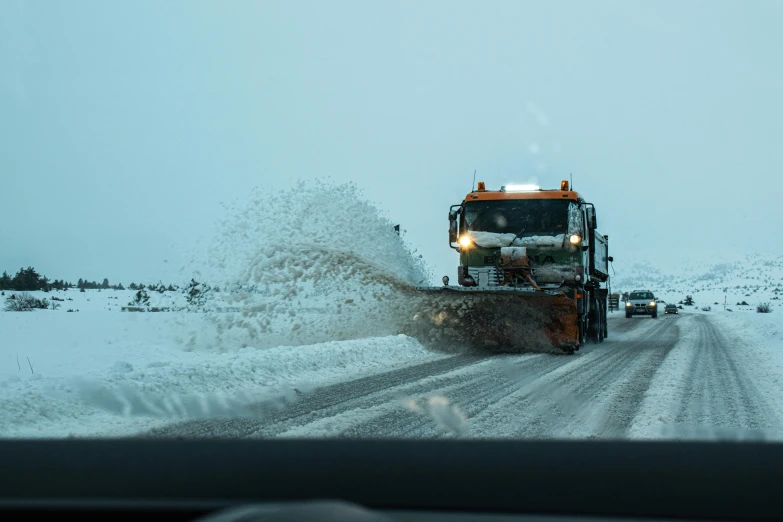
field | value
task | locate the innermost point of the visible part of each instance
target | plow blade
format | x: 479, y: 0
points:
x: 498, y: 319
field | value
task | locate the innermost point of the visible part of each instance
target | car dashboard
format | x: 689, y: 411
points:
x: 343, y: 479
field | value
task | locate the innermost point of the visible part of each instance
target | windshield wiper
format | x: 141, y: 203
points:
x: 519, y: 234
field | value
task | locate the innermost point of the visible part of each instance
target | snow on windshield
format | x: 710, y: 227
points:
x: 495, y: 240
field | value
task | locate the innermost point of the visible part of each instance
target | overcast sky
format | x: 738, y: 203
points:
x: 124, y: 124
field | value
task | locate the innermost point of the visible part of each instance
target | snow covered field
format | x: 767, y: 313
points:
x: 103, y: 372
x: 752, y: 278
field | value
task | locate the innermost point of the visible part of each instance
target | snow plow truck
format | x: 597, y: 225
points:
x: 533, y: 272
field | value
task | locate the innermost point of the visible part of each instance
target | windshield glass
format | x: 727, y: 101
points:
x: 531, y: 217
x: 231, y: 219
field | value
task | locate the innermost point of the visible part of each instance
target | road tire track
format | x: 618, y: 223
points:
x: 551, y: 392
x: 719, y: 396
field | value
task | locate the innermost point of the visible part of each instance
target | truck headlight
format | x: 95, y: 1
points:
x: 575, y: 239
x: 465, y: 241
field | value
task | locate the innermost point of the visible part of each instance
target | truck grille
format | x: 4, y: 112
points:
x: 485, y: 275
x: 491, y: 276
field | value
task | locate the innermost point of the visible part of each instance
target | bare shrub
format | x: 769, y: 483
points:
x: 763, y: 308
x: 23, y: 302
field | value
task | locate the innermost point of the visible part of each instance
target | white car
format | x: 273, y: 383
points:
x: 641, y: 302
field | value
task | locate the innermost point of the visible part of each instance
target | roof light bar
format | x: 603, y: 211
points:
x: 522, y: 188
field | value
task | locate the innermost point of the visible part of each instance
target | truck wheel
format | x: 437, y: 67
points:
x: 599, y: 313
x: 594, y: 323
x: 606, y: 326
x: 601, y: 330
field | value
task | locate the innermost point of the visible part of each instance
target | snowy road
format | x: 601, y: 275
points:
x: 606, y: 390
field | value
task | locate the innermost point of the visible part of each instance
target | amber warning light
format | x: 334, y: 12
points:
x: 564, y: 185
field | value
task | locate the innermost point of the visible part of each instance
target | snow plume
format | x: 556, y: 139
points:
x: 315, y: 263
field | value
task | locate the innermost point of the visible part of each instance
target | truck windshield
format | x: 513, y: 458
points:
x: 537, y: 217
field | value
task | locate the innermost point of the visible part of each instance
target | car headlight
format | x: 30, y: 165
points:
x: 652, y: 303
x: 628, y: 303
x: 465, y: 241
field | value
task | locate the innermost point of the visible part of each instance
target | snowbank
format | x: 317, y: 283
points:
x: 112, y: 374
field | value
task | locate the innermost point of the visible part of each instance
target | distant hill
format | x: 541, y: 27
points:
x: 754, y: 278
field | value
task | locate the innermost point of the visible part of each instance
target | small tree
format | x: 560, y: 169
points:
x: 196, y: 293
x: 688, y: 301
x: 140, y: 299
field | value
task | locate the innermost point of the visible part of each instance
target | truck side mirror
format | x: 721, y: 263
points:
x: 452, y: 229
x: 454, y: 213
